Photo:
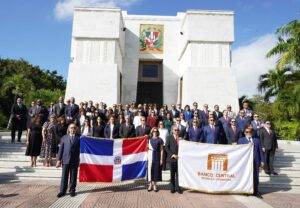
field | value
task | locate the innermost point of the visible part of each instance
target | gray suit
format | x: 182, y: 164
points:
x: 68, y: 154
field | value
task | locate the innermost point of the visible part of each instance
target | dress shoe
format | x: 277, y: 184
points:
x: 172, y: 190
x: 267, y: 172
x: 60, y: 194
x: 258, y: 195
x: 72, y: 194
x: 179, y: 191
x: 274, y: 173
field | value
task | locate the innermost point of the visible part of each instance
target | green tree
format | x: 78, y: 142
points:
x: 288, y: 46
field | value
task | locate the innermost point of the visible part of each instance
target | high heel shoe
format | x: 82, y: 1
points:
x: 149, y: 188
x: 155, y: 189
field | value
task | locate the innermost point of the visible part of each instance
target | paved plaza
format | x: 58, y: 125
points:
x: 23, y: 186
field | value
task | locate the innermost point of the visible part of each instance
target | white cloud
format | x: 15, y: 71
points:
x: 64, y: 8
x: 250, y: 62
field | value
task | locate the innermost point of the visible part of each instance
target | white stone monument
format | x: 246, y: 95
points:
x: 121, y: 58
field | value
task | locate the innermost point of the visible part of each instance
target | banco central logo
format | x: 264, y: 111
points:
x: 217, y: 162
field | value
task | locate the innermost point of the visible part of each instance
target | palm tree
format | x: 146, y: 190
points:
x: 18, y: 84
x: 288, y: 46
x: 275, y: 80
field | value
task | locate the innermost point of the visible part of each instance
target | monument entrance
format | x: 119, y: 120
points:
x: 150, y: 84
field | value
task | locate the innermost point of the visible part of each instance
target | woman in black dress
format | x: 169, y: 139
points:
x: 34, y: 140
x: 98, y: 128
x: 155, y: 159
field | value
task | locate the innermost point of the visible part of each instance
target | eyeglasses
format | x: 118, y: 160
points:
x: 143, y: 120
x: 72, y: 127
x: 232, y: 121
x: 268, y: 123
x: 248, y: 132
x: 211, y: 120
x: 155, y: 131
x: 176, y: 129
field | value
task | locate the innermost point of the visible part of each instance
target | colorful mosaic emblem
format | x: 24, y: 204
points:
x: 151, y: 38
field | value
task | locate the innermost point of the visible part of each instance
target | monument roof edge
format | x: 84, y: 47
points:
x: 82, y: 8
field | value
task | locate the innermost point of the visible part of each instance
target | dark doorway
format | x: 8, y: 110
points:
x: 150, y: 86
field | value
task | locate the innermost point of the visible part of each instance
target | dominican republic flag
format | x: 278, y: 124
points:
x: 107, y: 160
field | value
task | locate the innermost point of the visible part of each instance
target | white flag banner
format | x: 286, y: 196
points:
x: 216, y: 168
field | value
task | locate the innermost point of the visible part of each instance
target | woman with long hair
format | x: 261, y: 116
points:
x: 34, y: 140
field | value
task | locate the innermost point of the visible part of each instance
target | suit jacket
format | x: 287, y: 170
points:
x: 139, y: 131
x: 256, y: 128
x: 231, y: 136
x: 257, y: 151
x: 115, y: 131
x: 69, y: 152
x: 42, y: 111
x: 19, y: 116
x: 59, y: 110
x: 225, y: 122
x: 242, y: 122
x: 204, y: 117
x: 171, y: 148
x: 98, y: 131
x: 268, y: 140
x: 126, y: 131
x: 72, y: 111
x: 210, y: 136
x: 216, y: 117
x: 174, y: 113
x: 195, y: 135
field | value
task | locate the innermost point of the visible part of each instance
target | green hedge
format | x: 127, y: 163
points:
x: 288, y: 130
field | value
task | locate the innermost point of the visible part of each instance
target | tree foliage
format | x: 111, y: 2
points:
x: 282, y: 84
x: 20, y: 78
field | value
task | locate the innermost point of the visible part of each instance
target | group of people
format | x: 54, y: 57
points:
x: 165, y: 126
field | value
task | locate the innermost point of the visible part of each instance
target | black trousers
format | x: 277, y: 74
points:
x: 68, y: 170
x: 269, y: 160
x: 164, y: 159
x: 255, y: 177
x: 174, y: 175
x: 13, y: 132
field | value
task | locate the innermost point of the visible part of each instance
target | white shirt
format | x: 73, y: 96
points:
x: 137, y: 121
x: 87, y: 131
x: 163, y: 133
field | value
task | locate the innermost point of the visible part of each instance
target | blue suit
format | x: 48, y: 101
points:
x: 210, y: 136
x: 258, y: 158
x: 242, y: 122
x: 68, y: 154
x: 195, y: 135
x: 187, y: 115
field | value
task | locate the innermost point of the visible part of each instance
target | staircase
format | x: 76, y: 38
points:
x: 15, y: 166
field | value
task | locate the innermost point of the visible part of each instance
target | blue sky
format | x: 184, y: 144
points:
x: 30, y: 29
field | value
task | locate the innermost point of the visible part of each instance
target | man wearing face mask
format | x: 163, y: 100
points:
x: 258, y: 158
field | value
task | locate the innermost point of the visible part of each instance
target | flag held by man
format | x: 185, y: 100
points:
x: 106, y: 160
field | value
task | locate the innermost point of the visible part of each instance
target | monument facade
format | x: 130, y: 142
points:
x: 122, y: 58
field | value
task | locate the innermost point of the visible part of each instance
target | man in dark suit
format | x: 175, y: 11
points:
x: 174, y: 112
x: 269, y: 145
x: 204, y: 115
x: 72, y: 111
x: 18, y: 119
x: 68, y: 157
x: 195, y: 109
x: 256, y: 125
x: 233, y: 133
x: 195, y: 132
x: 127, y: 129
x: 211, y: 132
x: 225, y: 120
x: 40, y: 110
x: 182, y: 129
x: 172, y: 151
x: 59, y: 108
x: 216, y: 113
x: 257, y: 155
x: 242, y: 121
x: 142, y: 129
